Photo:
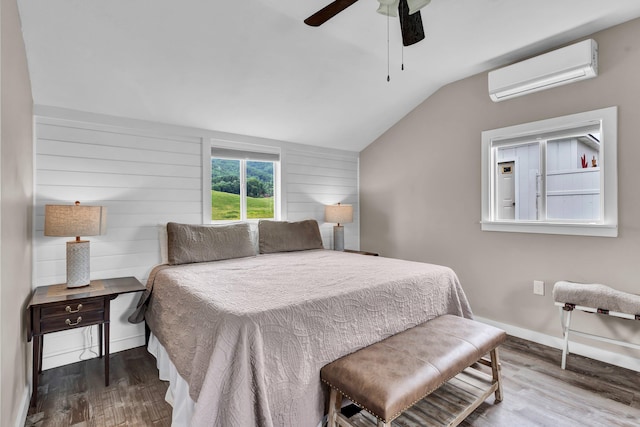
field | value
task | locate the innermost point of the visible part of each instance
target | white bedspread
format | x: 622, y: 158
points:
x: 250, y: 335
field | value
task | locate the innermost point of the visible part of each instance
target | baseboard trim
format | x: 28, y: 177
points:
x: 24, y: 407
x: 72, y: 356
x: 575, y: 348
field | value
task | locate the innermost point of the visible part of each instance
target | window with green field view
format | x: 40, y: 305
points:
x: 242, y: 189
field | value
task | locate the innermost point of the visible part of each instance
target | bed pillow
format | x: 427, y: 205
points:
x: 282, y: 236
x: 164, y: 249
x: 188, y: 243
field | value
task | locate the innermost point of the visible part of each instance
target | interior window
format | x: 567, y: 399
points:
x: 554, y: 176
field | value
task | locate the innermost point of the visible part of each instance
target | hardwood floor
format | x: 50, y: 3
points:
x: 536, y: 392
x: 75, y: 395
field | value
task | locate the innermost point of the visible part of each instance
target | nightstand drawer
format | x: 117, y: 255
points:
x: 70, y: 321
x: 71, y: 314
x: 72, y: 308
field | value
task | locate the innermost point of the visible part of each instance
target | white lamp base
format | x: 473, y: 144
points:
x: 338, y: 238
x: 78, y: 264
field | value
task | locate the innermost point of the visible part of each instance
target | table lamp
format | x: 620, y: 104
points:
x: 76, y: 220
x: 340, y: 214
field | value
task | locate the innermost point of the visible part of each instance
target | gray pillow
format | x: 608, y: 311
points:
x: 189, y: 243
x: 282, y: 236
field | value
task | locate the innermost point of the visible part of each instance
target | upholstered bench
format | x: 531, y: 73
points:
x: 593, y: 298
x: 389, y: 377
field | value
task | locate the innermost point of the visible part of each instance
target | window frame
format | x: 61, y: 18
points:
x: 207, y: 155
x: 607, y: 226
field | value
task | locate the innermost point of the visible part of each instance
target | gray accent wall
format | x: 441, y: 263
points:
x: 420, y: 198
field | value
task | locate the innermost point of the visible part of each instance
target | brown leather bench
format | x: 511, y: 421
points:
x: 389, y: 377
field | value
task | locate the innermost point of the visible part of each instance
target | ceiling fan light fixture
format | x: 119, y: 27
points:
x: 416, y: 5
x: 389, y: 7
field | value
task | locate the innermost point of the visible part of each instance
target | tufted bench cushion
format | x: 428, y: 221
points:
x: 390, y: 376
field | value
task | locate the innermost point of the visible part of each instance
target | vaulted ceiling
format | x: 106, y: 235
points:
x: 254, y: 68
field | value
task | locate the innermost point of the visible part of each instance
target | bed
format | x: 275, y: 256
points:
x: 248, y: 335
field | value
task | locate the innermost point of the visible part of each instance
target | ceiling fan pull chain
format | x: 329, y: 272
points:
x: 388, y: 73
x: 401, y: 5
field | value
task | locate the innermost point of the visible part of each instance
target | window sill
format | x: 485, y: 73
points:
x: 597, y: 230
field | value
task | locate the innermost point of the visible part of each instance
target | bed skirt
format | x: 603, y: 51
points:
x: 178, y: 392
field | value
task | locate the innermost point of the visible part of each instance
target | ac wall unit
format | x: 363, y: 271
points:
x: 559, y: 67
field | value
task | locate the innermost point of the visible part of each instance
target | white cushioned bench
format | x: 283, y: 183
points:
x: 593, y: 298
x: 389, y: 377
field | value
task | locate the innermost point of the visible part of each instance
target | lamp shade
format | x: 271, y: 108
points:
x: 340, y: 214
x: 74, y: 220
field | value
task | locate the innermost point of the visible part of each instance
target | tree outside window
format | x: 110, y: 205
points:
x: 242, y: 189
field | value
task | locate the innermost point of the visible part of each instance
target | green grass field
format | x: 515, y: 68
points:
x: 226, y: 206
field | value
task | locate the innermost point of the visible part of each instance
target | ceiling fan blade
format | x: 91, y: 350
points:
x: 328, y: 12
x: 411, y: 25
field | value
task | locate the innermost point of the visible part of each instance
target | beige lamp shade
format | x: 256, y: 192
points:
x: 340, y: 214
x: 74, y: 220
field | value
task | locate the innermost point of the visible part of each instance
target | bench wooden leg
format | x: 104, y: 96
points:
x: 335, y: 401
x: 497, y: 376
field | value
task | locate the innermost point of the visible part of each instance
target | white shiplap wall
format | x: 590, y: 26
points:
x: 147, y: 174
x: 315, y: 178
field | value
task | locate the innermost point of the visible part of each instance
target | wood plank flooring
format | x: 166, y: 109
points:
x: 75, y: 395
x: 536, y: 392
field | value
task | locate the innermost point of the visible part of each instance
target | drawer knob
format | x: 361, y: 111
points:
x: 69, y: 310
x: 70, y: 323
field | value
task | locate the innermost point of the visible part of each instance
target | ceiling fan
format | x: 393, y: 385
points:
x: 409, y: 11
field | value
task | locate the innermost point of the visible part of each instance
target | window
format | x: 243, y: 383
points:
x: 554, y: 176
x: 244, y: 185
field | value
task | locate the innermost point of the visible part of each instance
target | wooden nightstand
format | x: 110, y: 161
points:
x: 352, y: 251
x: 55, y: 308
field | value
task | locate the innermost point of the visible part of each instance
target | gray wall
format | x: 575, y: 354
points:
x: 420, y: 195
x: 15, y: 216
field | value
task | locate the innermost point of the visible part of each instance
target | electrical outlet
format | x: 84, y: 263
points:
x: 538, y: 287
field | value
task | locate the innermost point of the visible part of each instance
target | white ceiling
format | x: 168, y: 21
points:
x: 254, y: 68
